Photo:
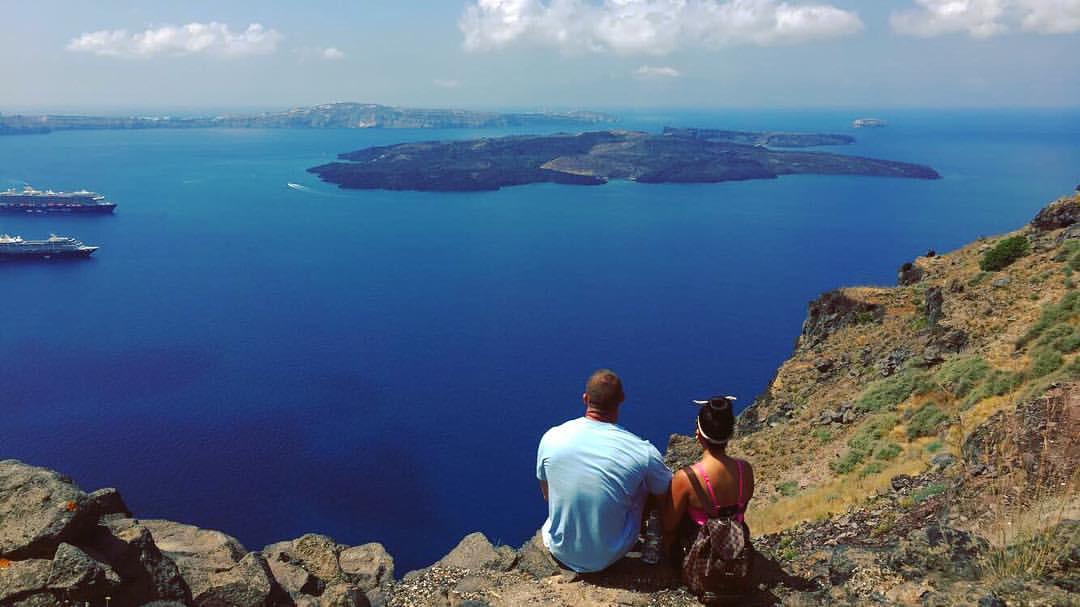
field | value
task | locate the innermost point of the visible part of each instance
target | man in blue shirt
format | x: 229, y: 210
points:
x: 596, y: 477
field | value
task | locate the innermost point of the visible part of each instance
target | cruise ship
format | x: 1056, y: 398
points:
x: 14, y: 247
x: 30, y: 200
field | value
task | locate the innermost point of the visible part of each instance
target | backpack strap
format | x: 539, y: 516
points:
x: 739, y: 462
x: 706, y: 501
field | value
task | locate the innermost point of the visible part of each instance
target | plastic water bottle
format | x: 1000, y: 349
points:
x: 651, y: 552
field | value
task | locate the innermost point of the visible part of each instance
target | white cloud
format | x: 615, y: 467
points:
x: 649, y: 72
x: 332, y: 54
x: 986, y: 18
x: 652, y: 27
x: 446, y: 84
x: 194, y: 38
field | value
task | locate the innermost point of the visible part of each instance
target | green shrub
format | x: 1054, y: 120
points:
x: 1045, y: 361
x: 889, y: 392
x: 996, y: 384
x: 977, y: 279
x: 1068, y: 343
x: 888, y: 452
x: 925, y: 421
x: 823, y: 435
x: 1065, y: 311
x: 788, y: 489
x: 921, y: 495
x: 871, y: 469
x: 1004, y: 253
x: 847, y: 463
x: 960, y: 375
x: 935, y: 446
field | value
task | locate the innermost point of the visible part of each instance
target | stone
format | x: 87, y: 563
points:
x: 942, y: 461
x: 147, y: 573
x: 849, y: 416
x: 833, y: 311
x: 248, y: 584
x: 21, y: 578
x: 106, y: 502
x: 368, y: 566
x: 935, y: 300
x: 39, y: 509
x: 909, y: 274
x: 191, y: 547
x: 1058, y: 214
x: 893, y: 361
x: 991, y: 601
x: 535, y: 560
x: 476, y: 552
x: 77, y: 574
x: 823, y: 365
x: 293, y: 578
x: 343, y: 595
x: 901, y: 482
x: 1001, y: 282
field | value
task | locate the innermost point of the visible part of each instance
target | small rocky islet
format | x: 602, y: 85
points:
x: 920, y: 447
x: 677, y: 155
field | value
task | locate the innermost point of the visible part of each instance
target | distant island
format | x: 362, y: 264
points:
x: 868, y: 123
x: 326, y: 116
x: 675, y: 156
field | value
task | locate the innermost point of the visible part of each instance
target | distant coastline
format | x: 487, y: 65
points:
x: 678, y: 155
x: 326, y: 116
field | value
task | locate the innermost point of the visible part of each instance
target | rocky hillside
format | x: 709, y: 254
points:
x: 920, y: 447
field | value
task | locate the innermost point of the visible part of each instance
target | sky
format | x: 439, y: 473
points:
x: 539, y: 54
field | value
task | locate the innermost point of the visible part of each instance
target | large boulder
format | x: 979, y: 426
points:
x: 76, y: 574
x: 247, y: 584
x: 39, y: 509
x: 476, y: 552
x: 147, y: 574
x: 368, y: 566
x: 1061, y: 213
x: 534, y: 559
x: 833, y: 311
x: 21, y: 579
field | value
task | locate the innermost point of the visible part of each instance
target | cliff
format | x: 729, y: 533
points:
x: 920, y: 447
x: 326, y: 116
x: 675, y: 156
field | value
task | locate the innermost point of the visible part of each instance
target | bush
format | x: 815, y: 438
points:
x: 862, y: 444
x: 1045, y: 362
x: 871, y: 469
x: 888, y: 452
x: 1004, y: 253
x: 925, y: 421
x: 848, y: 462
x: 960, y: 375
x: 1065, y: 311
x: 788, y: 489
x: 935, y: 446
x: 887, y: 393
x: 921, y: 495
x: 996, y: 384
x: 823, y: 435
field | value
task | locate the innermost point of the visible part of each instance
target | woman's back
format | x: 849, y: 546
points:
x: 728, y: 481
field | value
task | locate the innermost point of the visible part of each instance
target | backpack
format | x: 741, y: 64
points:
x: 718, y: 560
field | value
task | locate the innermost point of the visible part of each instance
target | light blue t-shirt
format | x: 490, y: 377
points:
x: 598, y: 476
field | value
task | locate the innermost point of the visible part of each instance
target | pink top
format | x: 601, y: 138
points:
x: 699, y: 516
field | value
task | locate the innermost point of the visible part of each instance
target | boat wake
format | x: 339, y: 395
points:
x: 298, y: 187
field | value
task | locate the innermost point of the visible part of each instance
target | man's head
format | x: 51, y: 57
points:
x: 603, y: 391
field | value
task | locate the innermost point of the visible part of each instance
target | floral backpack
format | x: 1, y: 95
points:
x: 717, y: 562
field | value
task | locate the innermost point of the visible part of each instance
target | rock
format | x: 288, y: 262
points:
x: 823, y: 365
x: 293, y: 578
x: 368, y: 566
x: 849, y: 416
x: 901, y: 482
x: 991, y: 601
x: 828, y: 415
x: 23, y: 578
x: 684, y: 450
x: 318, y: 554
x: 38, y: 508
x: 1061, y: 213
x: 933, y: 306
x: 1001, y: 282
x: 75, y: 574
x: 909, y: 274
x: 943, y: 342
x: 193, y: 548
x: 1070, y: 233
x: 476, y: 552
x: 248, y: 584
x: 106, y: 502
x: 893, y: 362
x: 942, y: 461
x: 535, y: 560
x: 940, y: 549
x: 147, y: 574
x: 833, y: 311
x: 343, y: 595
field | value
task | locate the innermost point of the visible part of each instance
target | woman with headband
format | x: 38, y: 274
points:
x: 717, y: 486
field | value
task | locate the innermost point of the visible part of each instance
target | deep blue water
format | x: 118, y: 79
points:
x: 379, y: 366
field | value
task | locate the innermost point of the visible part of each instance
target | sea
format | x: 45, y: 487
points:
x: 270, y: 359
